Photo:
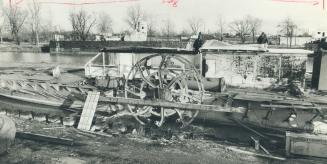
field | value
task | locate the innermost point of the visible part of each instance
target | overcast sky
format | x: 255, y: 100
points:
x: 306, y: 15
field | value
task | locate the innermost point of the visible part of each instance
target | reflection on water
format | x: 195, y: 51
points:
x: 30, y: 57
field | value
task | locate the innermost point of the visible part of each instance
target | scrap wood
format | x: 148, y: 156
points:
x: 46, y: 138
x: 76, y: 86
x: 259, y: 146
x: 71, y: 70
x: 264, y: 149
x: 237, y: 150
x: 83, y: 133
x: 26, y: 92
x: 58, y: 127
x: 291, y: 106
x: 96, y: 133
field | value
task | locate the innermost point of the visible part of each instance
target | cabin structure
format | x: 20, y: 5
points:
x: 238, y: 65
x: 249, y: 66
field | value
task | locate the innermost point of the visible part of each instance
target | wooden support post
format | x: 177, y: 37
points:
x: 288, y: 144
x: 103, y: 63
x: 280, y: 68
x: 256, y: 144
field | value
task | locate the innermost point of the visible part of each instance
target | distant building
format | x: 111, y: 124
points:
x: 58, y: 37
x: 138, y: 34
x: 103, y: 36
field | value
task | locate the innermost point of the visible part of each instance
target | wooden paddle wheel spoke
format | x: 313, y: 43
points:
x: 148, y: 81
x: 161, y: 80
x: 186, y: 117
x: 165, y: 79
x: 180, y: 76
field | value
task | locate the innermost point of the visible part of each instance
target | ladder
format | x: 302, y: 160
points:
x: 87, y: 115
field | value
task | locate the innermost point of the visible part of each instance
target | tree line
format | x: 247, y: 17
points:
x: 84, y: 22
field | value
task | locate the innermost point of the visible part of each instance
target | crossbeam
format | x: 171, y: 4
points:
x: 167, y: 104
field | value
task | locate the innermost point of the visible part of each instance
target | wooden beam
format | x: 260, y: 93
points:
x: 140, y: 49
x: 45, y: 138
x: 167, y: 104
x: 291, y: 107
x: 245, y: 152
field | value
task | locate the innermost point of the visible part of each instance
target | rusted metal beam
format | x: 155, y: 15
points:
x: 167, y: 104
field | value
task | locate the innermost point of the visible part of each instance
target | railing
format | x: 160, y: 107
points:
x: 93, y: 69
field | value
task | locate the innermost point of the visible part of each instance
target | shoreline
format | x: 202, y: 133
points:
x: 24, y: 47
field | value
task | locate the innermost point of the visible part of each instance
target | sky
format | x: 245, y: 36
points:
x: 309, y: 15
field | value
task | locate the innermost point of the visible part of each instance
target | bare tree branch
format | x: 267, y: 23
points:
x: 288, y: 27
x: 241, y: 28
x: 255, y: 24
x: 16, y: 18
x: 195, y: 24
x: 104, y: 23
x: 34, y: 9
x: 134, y: 16
x: 168, y: 28
x: 81, y: 22
x: 221, y: 23
x: 151, y: 23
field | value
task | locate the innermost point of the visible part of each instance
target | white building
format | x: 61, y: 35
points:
x: 138, y: 34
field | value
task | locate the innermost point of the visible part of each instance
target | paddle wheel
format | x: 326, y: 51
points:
x: 166, y: 78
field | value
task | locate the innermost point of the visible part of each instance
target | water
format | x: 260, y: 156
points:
x: 31, y: 57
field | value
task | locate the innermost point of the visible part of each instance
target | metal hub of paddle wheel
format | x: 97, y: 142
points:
x: 164, y: 77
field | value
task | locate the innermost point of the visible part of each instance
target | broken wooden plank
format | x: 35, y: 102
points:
x: 167, y: 104
x: 256, y: 98
x: 96, y: 133
x: 88, y: 111
x: 46, y: 138
x: 237, y: 150
x: 291, y: 107
x: 265, y: 150
x: 44, y: 86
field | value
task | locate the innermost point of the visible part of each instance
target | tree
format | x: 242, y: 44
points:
x: 1, y: 26
x: 81, y: 22
x: 104, y: 23
x: 288, y: 27
x: 134, y: 16
x: 221, y: 27
x: 195, y: 24
x: 151, y: 22
x: 242, y: 28
x: 255, y: 24
x: 34, y: 9
x: 184, y: 32
x: 47, y: 28
x: 16, y: 17
x: 168, y: 28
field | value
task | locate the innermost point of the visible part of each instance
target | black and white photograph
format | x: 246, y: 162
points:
x: 163, y: 82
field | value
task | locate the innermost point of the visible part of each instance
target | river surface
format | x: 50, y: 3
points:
x: 30, y: 57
